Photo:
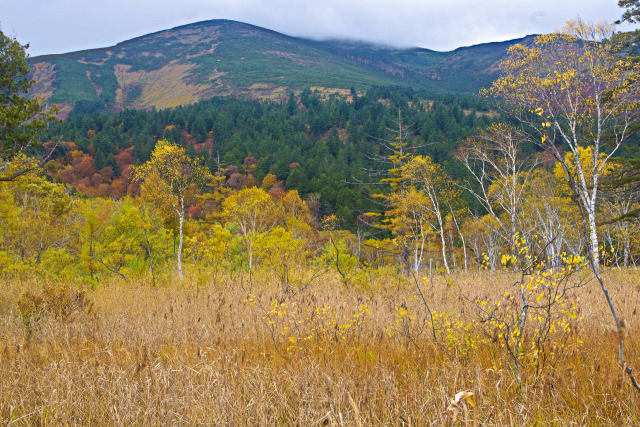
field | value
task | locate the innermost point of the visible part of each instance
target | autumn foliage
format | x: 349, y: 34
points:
x: 174, y: 291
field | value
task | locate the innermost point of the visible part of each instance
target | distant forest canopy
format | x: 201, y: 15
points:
x: 321, y: 145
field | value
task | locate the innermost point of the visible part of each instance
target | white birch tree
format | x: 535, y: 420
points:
x: 172, y: 179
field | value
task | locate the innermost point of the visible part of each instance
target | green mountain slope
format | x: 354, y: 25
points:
x: 190, y: 63
x: 464, y: 70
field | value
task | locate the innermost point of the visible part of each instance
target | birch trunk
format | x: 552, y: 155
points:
x: 593, y: 238
x: 180, y: 223
x: 444, y: 253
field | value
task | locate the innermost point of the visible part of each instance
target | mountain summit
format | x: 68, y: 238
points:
x: 193, y: 62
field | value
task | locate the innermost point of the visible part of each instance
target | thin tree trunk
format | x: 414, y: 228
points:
x: 444, y: 252
x: 464, y: 246
x: 593, y: 237
x: 149, y: 252
x: 359, y: 245
x: 91, y: 251
x: 180, y: 223
x: 626, y: 250
x: 250, y: 254
x: 613, y: 254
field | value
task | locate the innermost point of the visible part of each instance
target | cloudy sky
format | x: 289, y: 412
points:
x: 56, y: 26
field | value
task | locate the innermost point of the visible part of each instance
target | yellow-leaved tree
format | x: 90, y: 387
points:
x: 572, y: 90
x: 172, y: 179
x: 437, y: 192
x: 253, y: 210
x: 395, y: 152
x: 410, y: 220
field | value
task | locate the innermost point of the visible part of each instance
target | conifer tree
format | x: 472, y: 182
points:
x: 22, y: 119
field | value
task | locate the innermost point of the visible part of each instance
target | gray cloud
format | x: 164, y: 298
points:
x: 54, y: 26
x: 538, y: 17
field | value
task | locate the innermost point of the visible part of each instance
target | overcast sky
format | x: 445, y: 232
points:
x: 56, y: 26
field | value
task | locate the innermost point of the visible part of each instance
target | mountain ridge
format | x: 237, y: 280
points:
x: 196, y: 61
x: 327, y: 40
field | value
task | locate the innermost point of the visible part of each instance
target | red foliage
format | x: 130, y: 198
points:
x: 364, y: 220
x: 125, y: 171
x: 118, y: 187
x: 201, y: 147
x: 83, y: 166
x: 97, y: 179
x: 278, y: 190
x: 236, y: 181
x: 124, y: 158
x: 231, y: 169
x: 249, y: 164
x: 195, y: 212
x: 132, y: 188
x: 48, y: 146
x: 107, y: 173
x: 249, y: 180
x: 105, y: 190
x: 66, y: 176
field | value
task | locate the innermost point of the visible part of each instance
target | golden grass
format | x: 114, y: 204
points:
x: 186, y: 355
x: 166, y: 87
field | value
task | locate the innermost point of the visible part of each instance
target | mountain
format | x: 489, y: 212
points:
x: 193, y: 62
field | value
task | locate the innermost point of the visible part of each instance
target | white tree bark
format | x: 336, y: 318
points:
x: 180, y: 238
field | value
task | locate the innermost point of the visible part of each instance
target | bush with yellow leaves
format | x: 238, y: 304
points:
x: 531, y: 327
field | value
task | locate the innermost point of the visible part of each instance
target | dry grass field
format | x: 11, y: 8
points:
x: 130, y: 353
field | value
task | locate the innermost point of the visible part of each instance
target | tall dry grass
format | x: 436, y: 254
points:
x: 221, y: 354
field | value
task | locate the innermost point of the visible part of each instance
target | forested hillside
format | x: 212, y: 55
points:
x: 321, y: 146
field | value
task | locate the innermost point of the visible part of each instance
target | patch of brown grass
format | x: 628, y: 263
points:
x: 187, y: 354
x: 44, y: 74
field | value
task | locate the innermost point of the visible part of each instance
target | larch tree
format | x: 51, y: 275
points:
x: 35, y: 217
x: 394, y: 152
x: 95, y: 214
x: 172, y: 178
x: 632, y: 10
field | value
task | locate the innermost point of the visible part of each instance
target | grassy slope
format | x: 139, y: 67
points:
x: 200, y: 60
x: 464, y: 70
